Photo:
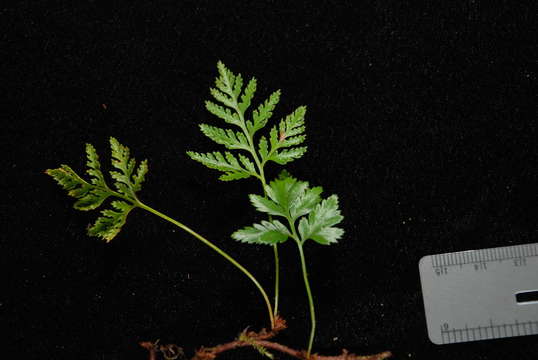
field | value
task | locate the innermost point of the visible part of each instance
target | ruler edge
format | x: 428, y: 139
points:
x: 421, y: 263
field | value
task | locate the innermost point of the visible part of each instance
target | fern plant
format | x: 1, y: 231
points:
x: 294, y: 209
x: 280, y: 145
x: 128, y: 179
x: 306, y: 216
x: 285, y: 197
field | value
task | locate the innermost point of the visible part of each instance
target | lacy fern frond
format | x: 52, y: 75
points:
x: 91, y: 195
x: 293, y: 200
x: 231, y: 101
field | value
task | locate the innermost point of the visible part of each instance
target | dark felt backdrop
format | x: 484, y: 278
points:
x: 422, y: 119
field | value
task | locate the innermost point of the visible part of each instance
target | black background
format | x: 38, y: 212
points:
x: 421, y: 118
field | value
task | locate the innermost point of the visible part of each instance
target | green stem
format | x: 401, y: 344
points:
x: 261, y: 176
x: 219, y: 251
x: 310, y: 301
x: 307, y: 286
x: 277, y: 277
x: 275, y: 249
x: 275, y: 246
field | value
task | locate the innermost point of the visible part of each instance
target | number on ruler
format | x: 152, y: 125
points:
x: 441, y: 270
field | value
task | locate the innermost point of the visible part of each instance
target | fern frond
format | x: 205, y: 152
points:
x: 281, y: 145
x: 91, y: 195
x: 294, y: 200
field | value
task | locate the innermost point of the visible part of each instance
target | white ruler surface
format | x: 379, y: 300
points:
x: 481, y: 294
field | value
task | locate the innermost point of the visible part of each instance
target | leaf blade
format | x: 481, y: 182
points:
x: 111, y: 222
x: 319, y: 226
x: 265, y: 233
x: 226, y: 163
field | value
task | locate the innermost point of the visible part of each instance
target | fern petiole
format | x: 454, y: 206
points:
x: 275, y: 246
x: 300, y: 243
x: 218, y: 250
x: 310, y: 300
x: 277, y: 277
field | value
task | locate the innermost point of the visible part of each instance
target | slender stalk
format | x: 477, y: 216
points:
x: 261, y: 176
x: 275, y: 246
x: 310, y: 300
x: 277, y: 278
x: 307, y: 287
x: 219, y: 251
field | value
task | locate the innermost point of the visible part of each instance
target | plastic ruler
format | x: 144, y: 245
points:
x: 481, y: 294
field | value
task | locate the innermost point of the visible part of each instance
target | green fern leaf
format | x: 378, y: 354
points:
x: 92, y: 200
x: 233, y: 99
x: 91, y: 195
x: 286, y: 137
x: 226, y: 137
x: 247, y: 96
x: 120, y: 157
x: 110, y: 223
x: 287, y: 155
x: 223, y: 98
x: 226, y: 163
x: 294, y: 200
x: 238, y: 86
x: 69, y: 180
x: 94, y: 167
x: 263, y: 113
x: 263, y: 148
x: 126, y: 165
x: 268, y: 206
x: 305, y: 202
x: 286, y: 191
x: 223, y: 113
x: 267, y: 233
x: 225, y: 81
x: 140, y: 175
x: 248, y: 165
x: 319, y: 226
